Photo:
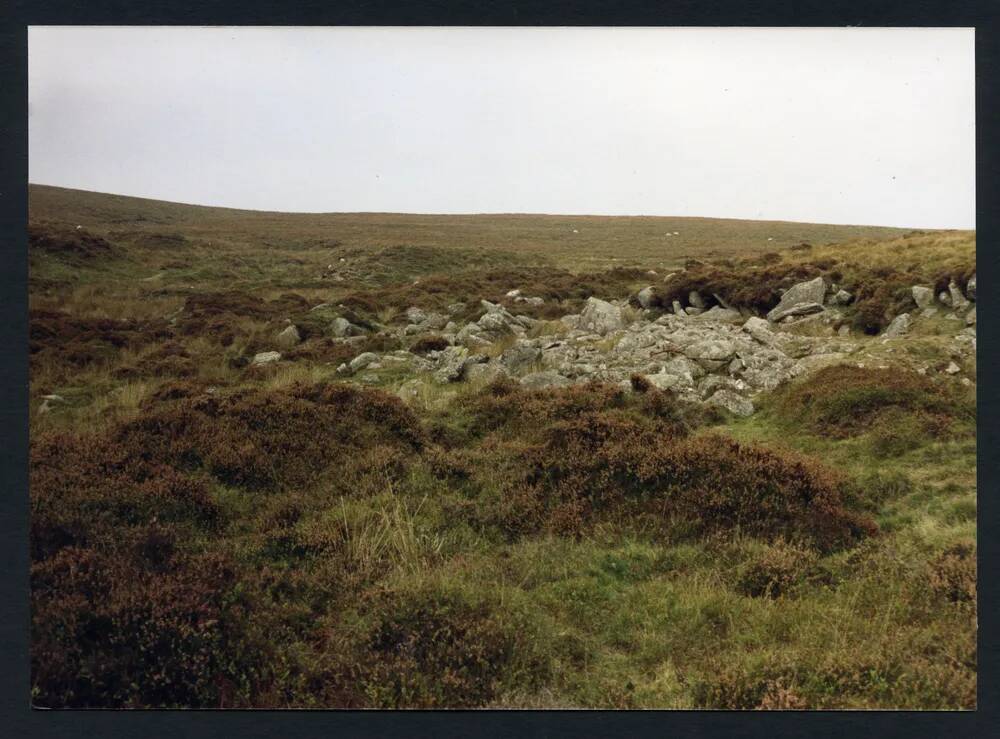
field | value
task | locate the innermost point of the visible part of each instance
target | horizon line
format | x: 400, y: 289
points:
x: 493, y: 213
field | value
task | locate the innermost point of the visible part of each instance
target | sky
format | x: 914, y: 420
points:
x: 858, y: 126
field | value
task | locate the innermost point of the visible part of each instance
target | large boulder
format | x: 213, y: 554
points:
x: 759, y: 329
x: 601, y: 317
x: 958, y: 301
x: 923, y: 296
x: 803, y: 294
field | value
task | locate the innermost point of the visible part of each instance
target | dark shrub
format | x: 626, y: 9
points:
x: 439, y: 648
x: 86, y: 489
x: 108, y: 632
x: 271, y: 439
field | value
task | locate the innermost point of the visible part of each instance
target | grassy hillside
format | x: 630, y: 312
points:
x: 576, y: 242
x: 209, y: 532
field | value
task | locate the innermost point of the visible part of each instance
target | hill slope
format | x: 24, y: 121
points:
x: 571, y: 241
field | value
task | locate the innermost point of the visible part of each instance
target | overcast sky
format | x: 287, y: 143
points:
x: 862, y: 126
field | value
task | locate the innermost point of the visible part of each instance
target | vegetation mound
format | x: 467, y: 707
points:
x: 845, y: 401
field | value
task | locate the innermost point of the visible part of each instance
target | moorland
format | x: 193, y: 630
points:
x: 502, y: 461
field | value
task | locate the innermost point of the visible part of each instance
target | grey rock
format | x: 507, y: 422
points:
x: 715, y: 350
x: 694, y: 310
x: 970, y: 288
x: 451, y: 364
x: 678, y: 308
x: 534, y: 301
x: 723, y: 303
x: 645, y: 297
x: 362, y: 360
x: 665, y: 380
x: 718, y: 313
x: 970, y: 317
x: 810, y: 292
x: 601, y: 317
x: 266, y: 357
x: 759, y: 329
x: 944, y: 298
x: 899, y: 326
x: 842, y: 297
x: 520, y: 356
x: 455, y: 308
x: 958, y: 301
x: 289, y: 337
x: 695, y: 299
x: 952, y: 369
x: 341, y: 327
x: 415, y: 315
x: 923, y: 296
x: 799, y: 309
x: 732, y: 402
x: 513, y: 293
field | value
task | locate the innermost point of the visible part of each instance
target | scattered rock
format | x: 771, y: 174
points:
x: 842, y: 297
x: 451, y: 364
x: 958, y: 301
x: 923, y: 296
x: 266, y: 357
x: 601, y: 317
x: 944, y: 298
x: 678, y: 308
x: 970, y: 317
x: 362, y: 360
x: 415, y: 315
x: 513, y: 293
x: 970, y: 288
x: 899, y: 326
x: 804, y: 293
x: 952, y: 369
x: 340, y: 327
x: 695, y: 299
x: 289, y: 337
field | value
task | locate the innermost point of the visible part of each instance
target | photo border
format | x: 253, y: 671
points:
x: 17, y: 716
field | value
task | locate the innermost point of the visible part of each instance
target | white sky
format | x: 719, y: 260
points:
x: 863, y: 126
